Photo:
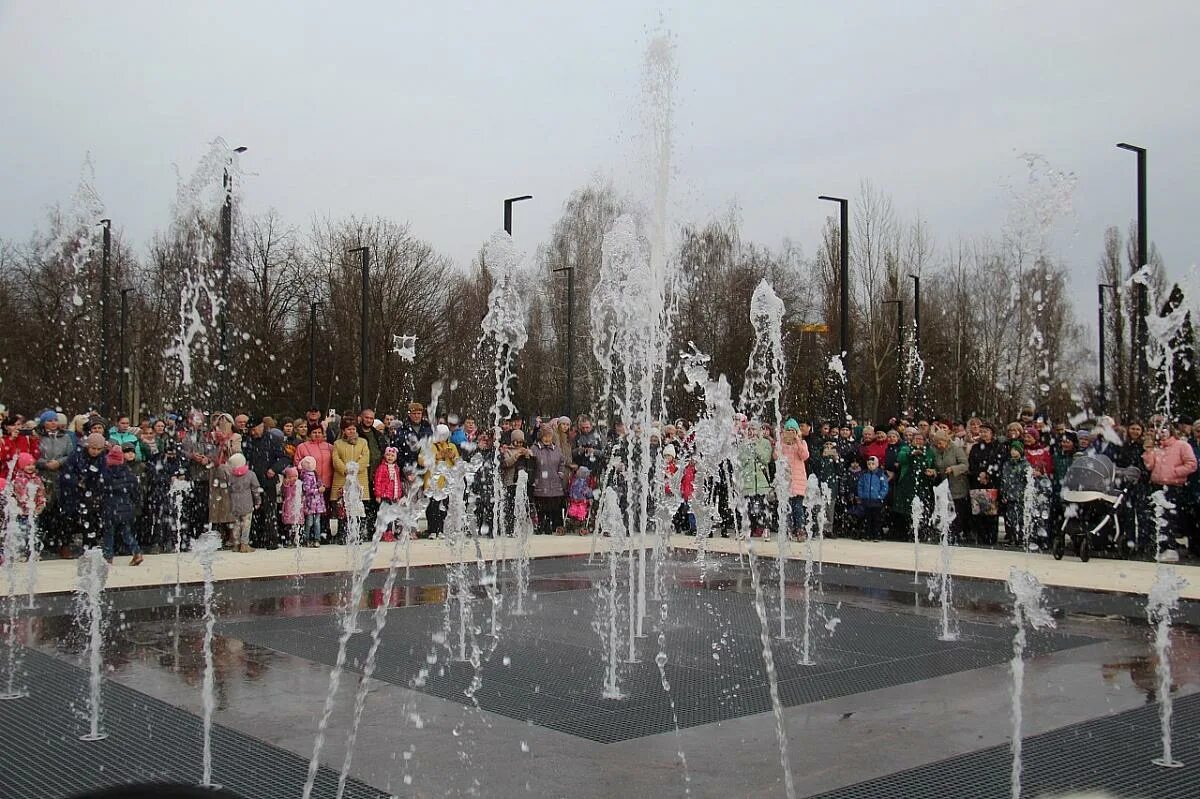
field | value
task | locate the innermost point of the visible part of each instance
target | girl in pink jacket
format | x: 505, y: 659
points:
x: 795, y: 450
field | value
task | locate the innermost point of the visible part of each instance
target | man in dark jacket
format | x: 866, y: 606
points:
x: 264, y: 456
x: 413, y: 430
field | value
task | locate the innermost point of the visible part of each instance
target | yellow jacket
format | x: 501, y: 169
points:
x: 343, y: 453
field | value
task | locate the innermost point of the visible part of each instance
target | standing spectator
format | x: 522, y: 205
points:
x: 1171, y: 462
x: 951, y: 465
x: 29, y: 495
x: 918, y: 472
x: 986, y: 461
x: 313, y: 492
x: 754, y: 458
x: 1014, y: 479
x: 412, y: 432
x: 549, y: 471
x: 794, y: 449
x: 121, y: 434
x: 265, y: 457
x: 514, y: 458
x: 348, y: 449
x: 437, y: 481
x: 81, y: 490
x: 872, y: 490
x: 54, y: 447
x: 245, y: 498
x: 198, y: 453
x: 18, y: 439
x: 121, y: 498
x: 292, y: 506
x: 220, y: 501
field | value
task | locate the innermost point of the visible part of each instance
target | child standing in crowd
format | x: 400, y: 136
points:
x: 1013, y: 480
x: 684, y: 520
x: 352, y: 504
x: 872, y: 491
x: 245, y: 495
x: 579, y: 500
x: 122, y: 497
x: 29, y: 493
x: 389, y: 487
x: 794, y: 449
x: 292, y: 512
x: 314, y: 500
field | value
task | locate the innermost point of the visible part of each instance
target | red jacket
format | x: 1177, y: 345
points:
x: 687, y: 484
x: 1040, y: 459
x: 389, y: 482
x: 11, y: 447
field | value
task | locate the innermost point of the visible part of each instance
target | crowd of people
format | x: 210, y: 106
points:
x: 266, y: 482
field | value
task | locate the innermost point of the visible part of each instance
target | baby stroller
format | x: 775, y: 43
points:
x: 1092, y: 493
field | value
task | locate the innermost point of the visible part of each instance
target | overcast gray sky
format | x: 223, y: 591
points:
x: 432, y: 112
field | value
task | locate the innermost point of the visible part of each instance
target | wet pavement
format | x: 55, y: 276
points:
x: 415, y: 741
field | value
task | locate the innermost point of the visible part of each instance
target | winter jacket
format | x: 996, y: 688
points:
x: 1170, y: 463
x: 445, y: 456
x: 12, y: 446
x: 81, y: 484
x: 754, y: 456
x: 322, y: 453
x: 987, y: 459
x: 913, y: 483
x: 220, y: 501
x: 196, y: 443
x: 376, y: 443
x: 22, y: 484
x: 130, y: 436
x: 549, y: 470
x: 245, y: 492
x: 796, y: 455
x: 512, y: 462
x: 580, y: 489
x: 591, y: 439
x: 1014, y: 478
x: 389, y: 482
x: 877, y: 449
x: 687, y: 483
x: 313, y: 491
x: 122, y: 495
x: 954, y: 459
x: 343, y: 453
x: 265, y: 454
x: 1041, y: 460
x: 293, y: 503
x: 408, y: 440
x: 873, y: 487
x: 56, y: 446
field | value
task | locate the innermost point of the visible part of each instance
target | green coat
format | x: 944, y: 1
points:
x: 754, y: 456
x: 912, y: 481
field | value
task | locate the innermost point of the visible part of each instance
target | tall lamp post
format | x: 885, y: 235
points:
x: 844, y: 271
x: 312, y: 353
x: 899, y: 354
x: 362, y: 336
x: 1103, y: 398
x: 105, y: 397
x: 569, y: 391
x: 226, y: 269
x: 508, y: 204
x: 1142, y: 301
x: 124, y: 376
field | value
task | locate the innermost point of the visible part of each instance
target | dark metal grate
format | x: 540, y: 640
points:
x: 149, y: 741
x: 547, y: 668
x: 1110, y: 754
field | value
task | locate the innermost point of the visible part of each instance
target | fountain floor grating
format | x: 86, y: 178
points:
x: 148, y: 741
x: 547, y: 667
x: 1112, y: 754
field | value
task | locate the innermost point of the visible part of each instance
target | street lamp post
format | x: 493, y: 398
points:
x: 916, y: 279
x: 105, y: 397
x: 569, y: 392
x: 362, y: 336
x: 844, y: 267
x: 124, y: 376
x: 1103, y: 398
x: 226, y: 269
x: 312, y: 353
x: 899, y: 354
x: 1141, y: 301
x: 508, y: 204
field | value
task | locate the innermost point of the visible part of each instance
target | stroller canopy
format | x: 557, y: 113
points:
x: 1091, y: 475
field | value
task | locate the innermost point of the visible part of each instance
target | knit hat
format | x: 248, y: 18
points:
x: 544, y: 430
x: 668, y: 451
x: 61, y: 418
x: 1033, y: 433
x: 391, y: 450
x: 237, y: 460
x: 1017, y: 445
x: 95, y: 441
x: 24, y: 461
x: 583, y: 472
x: 114, y: 457
x: 563, y: 420
x: 47, y: 416
x: 290, y: 471
x: 441, y: 433
x: 791, y: 424
x: 308, y: 463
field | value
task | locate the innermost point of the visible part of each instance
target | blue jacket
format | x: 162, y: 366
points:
x: 873, y: 486
x: 122, y: 495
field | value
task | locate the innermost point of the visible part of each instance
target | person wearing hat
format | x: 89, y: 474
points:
x: 549, y: 472
x: 17, y: 439
x: 349, y: 448
x: 199, y: 453
x: 412, y: 431
x: 265, y: 457
x: 245, y: 497
x: 121, y: 433
x: 794, y: 449
x: 122, y: 499
x: 81, y: 490
x: 1171, y: 462
x: 54, y: 447
x: 1014, y: 481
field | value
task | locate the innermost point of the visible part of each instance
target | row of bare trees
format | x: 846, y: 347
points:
x: 997, y: 327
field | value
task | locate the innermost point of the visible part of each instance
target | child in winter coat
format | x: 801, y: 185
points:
x: 872, y: 491
x: 684, y: 520
x: 122, y: 497
x: 29, y: 493
x: 292, y: 513
x: 245, y: 495
x: 389, y: 486
x: 1014, y: 478
x: 579, y: 500
x: 313, y: 493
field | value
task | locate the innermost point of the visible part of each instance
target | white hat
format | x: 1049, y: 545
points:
x: 441, y: 433
x: 668, y: 451
x: 237, y: 460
